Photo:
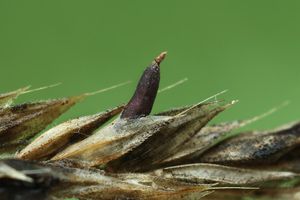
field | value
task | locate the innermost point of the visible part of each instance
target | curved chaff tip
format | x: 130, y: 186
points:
x: 234, y: 101
x: 160, y: 57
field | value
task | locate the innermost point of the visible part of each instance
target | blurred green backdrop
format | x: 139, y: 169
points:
x: 249, y: 47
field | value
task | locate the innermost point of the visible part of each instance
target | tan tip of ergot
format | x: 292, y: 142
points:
x: 160, y: 57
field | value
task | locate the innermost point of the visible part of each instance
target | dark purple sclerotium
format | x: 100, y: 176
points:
x: 142, y: 101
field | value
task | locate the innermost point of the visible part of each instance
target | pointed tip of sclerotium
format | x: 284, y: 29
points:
x: 160, y: 57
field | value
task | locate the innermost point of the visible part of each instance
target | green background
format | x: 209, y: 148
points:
x: 249, y: 47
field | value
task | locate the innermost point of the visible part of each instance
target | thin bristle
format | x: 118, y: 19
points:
x: 266, y: 114
x: 107, y: 89
x: 173, y: 85
x: 41, y: 88
x: 205, y: 100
